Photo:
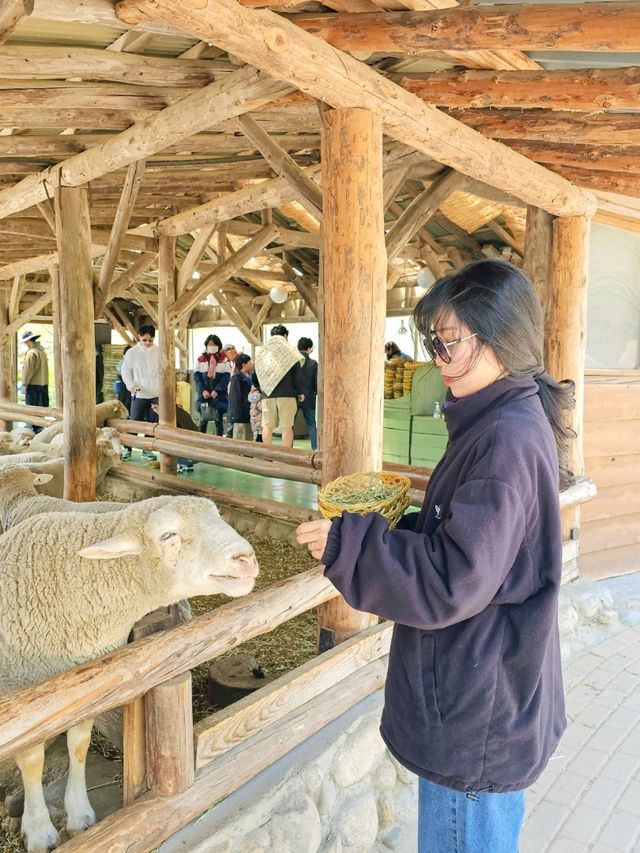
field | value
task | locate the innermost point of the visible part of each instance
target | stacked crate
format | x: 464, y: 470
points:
x: 111, y: 356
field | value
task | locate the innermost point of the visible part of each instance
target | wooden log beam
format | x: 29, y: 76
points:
x: 124, y: 333
x: 594, y: 158
x: 29, y: 313
x: 124, y: 281
x: 152, y: 819
x: 166, y: 341
x: 226, y: 729
x: 58, y: 329
x: 308, y: 192
x: 243, y: 90
x: 566, y: 319
x: 545, y: 26
x: 614, y: 182
x: 78, y: 344
x: 538, y: 248
x: 354, y: 273
x: 51, y: 62
x: 126, y: 205
x: 7, y: 380
x: 190, y: 298
x: 420, y: 211
x: 581, y: 89
x: 269, y: 193
x: 554, y: 127
x: 169, y: 734
x: 282, y: 50
x: 192, y: 259
x: 11, y: 13
x: 118, y: 678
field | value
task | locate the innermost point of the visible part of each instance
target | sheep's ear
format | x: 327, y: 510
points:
x: 41, y: 479
x: 125, y: 545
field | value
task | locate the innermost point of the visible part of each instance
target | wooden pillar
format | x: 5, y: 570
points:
x: 166, y: 298
x: 7, y: 378
x: 566, y: 318
x: 538, y: 241
x: 73, y: 229
x: 169, y: 735
x: 354, y: 299
x: 54, y: 272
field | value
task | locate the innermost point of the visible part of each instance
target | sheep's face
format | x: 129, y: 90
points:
x: 192, y: 547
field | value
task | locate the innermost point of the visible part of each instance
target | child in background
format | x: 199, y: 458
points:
x: 183, y: 391
x: 239, y: 413
x: 255, y: 410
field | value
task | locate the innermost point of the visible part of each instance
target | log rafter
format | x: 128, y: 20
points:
x: 284, y: 51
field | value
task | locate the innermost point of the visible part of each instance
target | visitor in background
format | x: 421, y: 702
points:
x: 211, y: 377
x: 255, y: 409
x: 392, y: 350
x: 473, y: 700
x: 309, y: 383
x: 141, y: 375
x: 183, y: 391
x: 183, y: 421
x: 278, y: 373
x: 35, y: 373
x: 239, y: 415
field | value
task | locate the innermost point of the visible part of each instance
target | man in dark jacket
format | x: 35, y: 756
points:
x: 239, y: 387
x: 309, y: 382
x: 278, y: 372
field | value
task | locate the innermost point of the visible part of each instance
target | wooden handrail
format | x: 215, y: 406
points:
x: 53, y: 706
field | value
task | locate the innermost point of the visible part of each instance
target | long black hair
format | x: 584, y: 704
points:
x: 497, y: 301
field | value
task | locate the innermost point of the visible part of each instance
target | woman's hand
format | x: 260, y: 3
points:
x: 314, y: 535
x: 206, y: 395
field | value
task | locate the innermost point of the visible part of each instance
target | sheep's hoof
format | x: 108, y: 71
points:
x: 83, y: 820
x: 40, y: 840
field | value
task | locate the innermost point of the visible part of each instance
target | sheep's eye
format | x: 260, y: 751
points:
x: 166, y: 536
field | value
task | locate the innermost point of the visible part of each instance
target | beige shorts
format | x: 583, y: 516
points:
x: 279, y: 411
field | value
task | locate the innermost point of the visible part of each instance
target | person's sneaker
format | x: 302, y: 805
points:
x: 126, y: 454
x: 148, y: 454
x: 180, y: 469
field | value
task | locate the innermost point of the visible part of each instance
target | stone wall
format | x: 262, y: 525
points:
x: 341, y: 791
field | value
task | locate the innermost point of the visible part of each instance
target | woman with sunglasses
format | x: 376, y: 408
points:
x: 474, y: 701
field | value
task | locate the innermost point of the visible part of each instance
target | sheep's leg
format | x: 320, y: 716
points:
x: 80, y: 815
x: 39, y: 833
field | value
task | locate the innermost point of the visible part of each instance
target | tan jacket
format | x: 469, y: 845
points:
x: 35, y: 368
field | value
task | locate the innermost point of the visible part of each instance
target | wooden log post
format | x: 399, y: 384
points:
x: 166, y: 299
x: 353, y: 274
x: 538, y: 241
x: 54, y: 272
x: 169, y: 735
x: 566, y: 331
x: 78, y: 343
x: 7, y: 379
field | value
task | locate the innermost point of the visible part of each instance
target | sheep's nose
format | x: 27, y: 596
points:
x: 249, y: 563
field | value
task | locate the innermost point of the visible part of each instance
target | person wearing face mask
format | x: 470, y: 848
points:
x: 211, y: 376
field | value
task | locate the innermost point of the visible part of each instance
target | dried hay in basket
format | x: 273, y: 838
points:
x: 378, y: 491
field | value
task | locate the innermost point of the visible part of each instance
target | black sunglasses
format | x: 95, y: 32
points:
x: 435, y: 346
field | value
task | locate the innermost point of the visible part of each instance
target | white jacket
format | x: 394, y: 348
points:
x: 141, y: 369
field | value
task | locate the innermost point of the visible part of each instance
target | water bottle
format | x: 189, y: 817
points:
x: 437, y: 411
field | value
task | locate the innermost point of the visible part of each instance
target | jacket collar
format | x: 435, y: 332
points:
x: 461, y: 413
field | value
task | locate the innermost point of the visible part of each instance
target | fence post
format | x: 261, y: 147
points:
x: 169, y: 736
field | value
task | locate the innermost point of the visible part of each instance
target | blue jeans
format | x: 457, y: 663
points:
x: 309, y: 415
x: 451, y: 822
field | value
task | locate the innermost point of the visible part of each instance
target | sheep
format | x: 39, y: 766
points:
x: 55, y: 447
x: 58, y: 609
x: 19, y: 498
x: 14, y: 441
x: 104, y: 412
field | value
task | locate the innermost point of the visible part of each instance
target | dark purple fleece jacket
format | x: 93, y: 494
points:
x: 474, y: 696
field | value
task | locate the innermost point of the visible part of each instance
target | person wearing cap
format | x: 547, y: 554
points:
x: 35, y: 373
x: 279, y: 376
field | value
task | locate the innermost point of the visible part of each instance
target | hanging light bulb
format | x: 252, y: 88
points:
x: 425, y: 278
x: 403, y: 329
x: 211, y: 300
x: 278, y: 294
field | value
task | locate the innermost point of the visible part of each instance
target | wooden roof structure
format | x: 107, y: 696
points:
x: 202, y: 121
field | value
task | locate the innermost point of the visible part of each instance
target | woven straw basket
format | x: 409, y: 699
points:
x: 332, y: 498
